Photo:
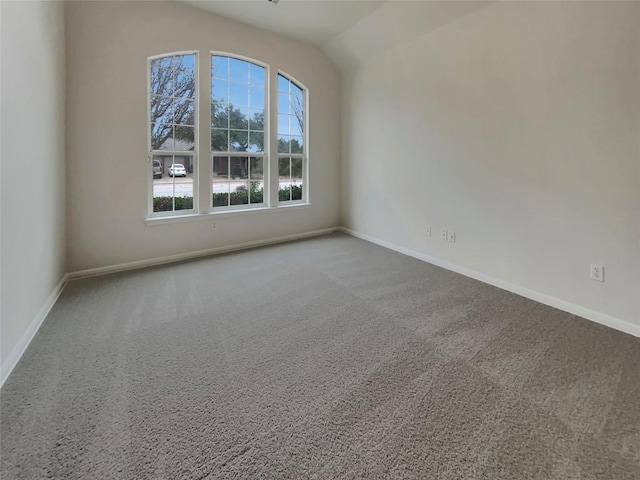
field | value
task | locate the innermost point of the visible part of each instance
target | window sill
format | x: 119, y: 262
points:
x: 199, y: 217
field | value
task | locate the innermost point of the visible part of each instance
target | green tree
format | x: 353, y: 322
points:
x: 232, y: 126
x: 290, y: 167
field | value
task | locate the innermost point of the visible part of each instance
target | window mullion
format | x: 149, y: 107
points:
x: 273, y: 157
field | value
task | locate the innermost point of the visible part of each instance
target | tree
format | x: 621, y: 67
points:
x: 293, y: 169
x: 298, y: 110
x: 172, y: 92
x: 228, y: 120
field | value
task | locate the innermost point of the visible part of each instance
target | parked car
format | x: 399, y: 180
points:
x: 177, y: 170
x: 157, y: 169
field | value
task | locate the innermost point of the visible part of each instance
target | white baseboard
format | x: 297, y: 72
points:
x: 594, y: 316
x: 121, y: 267
x: 18, y: 350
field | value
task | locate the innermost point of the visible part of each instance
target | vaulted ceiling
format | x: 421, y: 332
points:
x: 312, y: 21
x: 348, y: 30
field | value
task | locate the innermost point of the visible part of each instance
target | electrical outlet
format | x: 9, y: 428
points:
x: 452, y: 237
x: 428, y: 230
x: 444, y: 235
x: 597, y: 272
x: 214, y: 225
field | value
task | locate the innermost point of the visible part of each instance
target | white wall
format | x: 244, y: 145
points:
x: 33, y: 166
x: 108, y: 45
x: 518, y: 126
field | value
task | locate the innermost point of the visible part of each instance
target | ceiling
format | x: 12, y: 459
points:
x: 313, y: 21
x: 349, y: 31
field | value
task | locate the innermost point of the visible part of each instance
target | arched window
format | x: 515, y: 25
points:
x: 173, y: 136
x: 243, y: 172
x: 291, y: 140
x: 238, y: 92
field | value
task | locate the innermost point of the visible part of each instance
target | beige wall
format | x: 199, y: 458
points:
x: 518, y: 126
x: 108, y: 45
x: 33, y: 166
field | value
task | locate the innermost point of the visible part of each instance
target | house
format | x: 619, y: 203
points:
x: 497, y: 140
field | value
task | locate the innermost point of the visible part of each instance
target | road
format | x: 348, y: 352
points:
x: 164, y: 187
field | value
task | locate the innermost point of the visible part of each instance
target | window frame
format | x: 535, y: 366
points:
x: 196, y: 139
x: 305, y: 139
x: 265, y: 154
x: 270, y: 155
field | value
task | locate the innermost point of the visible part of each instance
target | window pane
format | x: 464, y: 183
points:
x: 296, y: 108
x: 239, y: 71
x: 290, y: 144
x: 164, y: 62
x: 296, y: 125
x: 162, y: 137
x: 161, y: 109
x: 283, y: 143
x: 233, y: 182
x: 162, y: 188
x: 221, y: 185
x: 172, y: 182
x: 219, y: 115
x: 256, y: 74
x: 283, y: 124
x: 184, y: 138
x: 256, y: 97
x: 238, y: 95
x: 185, y: 63
x: 284, y: 179
x: 283, y: 103
x: 256, y: 189
x: 296, y: 144
x: 239, y: 120
x: 283, y: 84
x: 256, y: 142
x: 219, y: 140
x: 296, y: 178
x: 238, y: 140
x: 239, y: 180
x: 184, y: 84
x: 256, y: 119
x: 184, y: 112
x: 220, y: 91
x: 162, y: 80
x: 220, y: 67
x: 295, y: 89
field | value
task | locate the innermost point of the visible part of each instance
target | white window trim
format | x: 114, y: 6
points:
x: 226, y: 213
x: 270, y: 155
x: 265, y: 183
x: 305, y: 138
x: 196, y: 139
x: 264, y: 154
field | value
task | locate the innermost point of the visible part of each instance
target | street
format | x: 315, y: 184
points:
x: 164, y: 187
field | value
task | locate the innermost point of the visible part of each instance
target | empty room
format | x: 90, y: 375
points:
x: 304, y: 239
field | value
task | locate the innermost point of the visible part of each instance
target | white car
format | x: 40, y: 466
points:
x: 177, y: 170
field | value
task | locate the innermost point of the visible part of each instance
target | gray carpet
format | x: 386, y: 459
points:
x: 328, y: 358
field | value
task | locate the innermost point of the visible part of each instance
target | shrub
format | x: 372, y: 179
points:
x: 294, y: 191
x: 239, y: 197
x: 165, y: 204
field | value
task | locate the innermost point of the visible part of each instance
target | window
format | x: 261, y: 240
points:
x: 237, y: 131
x: 291, y: 149
x: 173, y: 139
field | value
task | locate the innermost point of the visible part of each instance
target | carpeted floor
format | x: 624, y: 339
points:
x: 329, y: 358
